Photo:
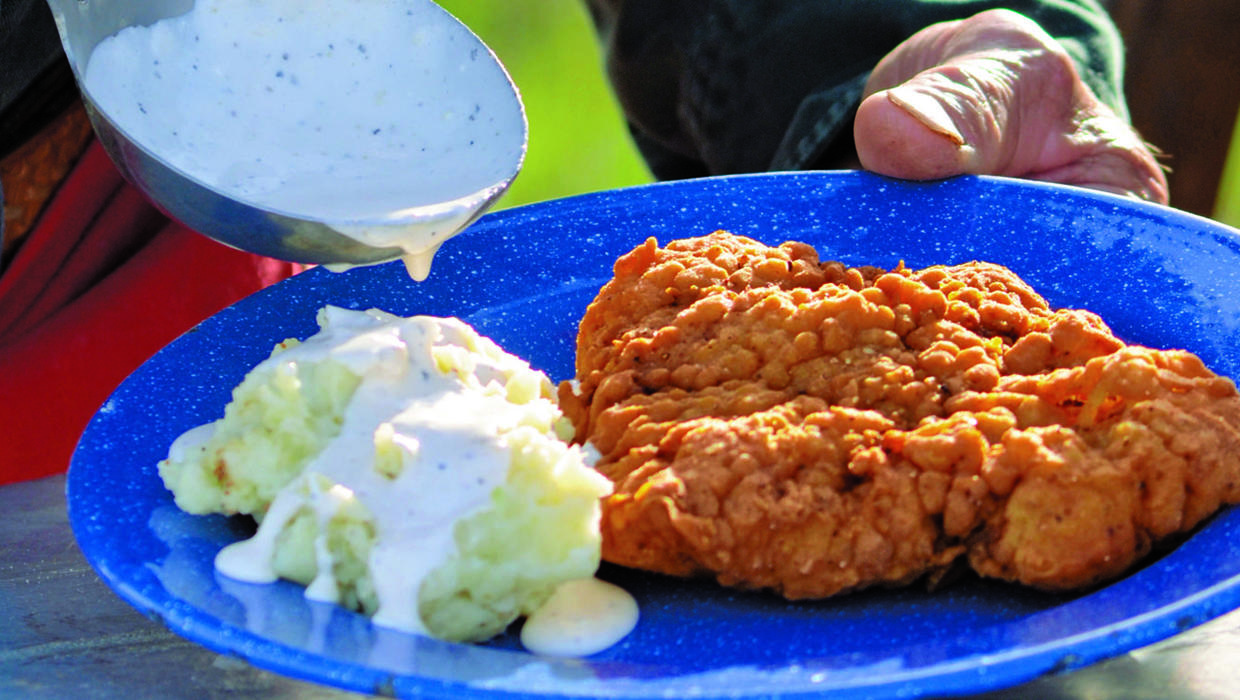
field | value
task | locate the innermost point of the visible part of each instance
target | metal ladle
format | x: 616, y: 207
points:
x: 250, y: 225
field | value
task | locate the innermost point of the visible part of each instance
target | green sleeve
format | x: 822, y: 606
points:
x: 725, y: 86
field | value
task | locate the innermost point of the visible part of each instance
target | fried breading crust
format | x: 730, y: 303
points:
x: 811, y: 428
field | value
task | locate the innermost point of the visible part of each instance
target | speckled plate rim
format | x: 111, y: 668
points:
x: 1152, y: 604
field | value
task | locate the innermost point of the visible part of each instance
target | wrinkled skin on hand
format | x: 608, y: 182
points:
x: 782, y: 423
x: 995, y: 94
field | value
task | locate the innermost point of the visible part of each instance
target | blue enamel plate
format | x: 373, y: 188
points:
x: 524, y: 277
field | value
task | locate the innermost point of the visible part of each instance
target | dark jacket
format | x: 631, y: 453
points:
x: 35, y: 81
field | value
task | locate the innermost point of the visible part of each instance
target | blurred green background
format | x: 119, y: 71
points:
x: 578, y: 140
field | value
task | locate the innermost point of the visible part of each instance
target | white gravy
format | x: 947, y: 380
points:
x: 582, y: 617
x: 350, y: 113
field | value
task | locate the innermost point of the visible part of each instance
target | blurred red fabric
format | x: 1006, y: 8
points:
x: 102, y: 282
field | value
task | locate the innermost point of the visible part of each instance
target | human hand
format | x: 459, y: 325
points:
x: 995, y: 94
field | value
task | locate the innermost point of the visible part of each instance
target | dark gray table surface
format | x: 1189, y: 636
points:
x: 64, y: 634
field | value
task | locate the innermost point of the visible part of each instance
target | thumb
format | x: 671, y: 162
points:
x: 918, y: 130
x: 995, y: 94
x: 953, y: 98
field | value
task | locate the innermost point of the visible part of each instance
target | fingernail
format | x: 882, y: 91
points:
x: 927, y: 110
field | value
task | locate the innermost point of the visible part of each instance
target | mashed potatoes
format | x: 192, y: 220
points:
x: 407, y: 467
